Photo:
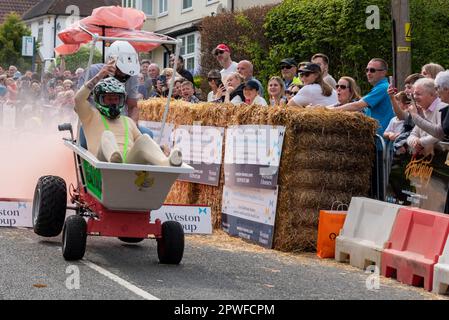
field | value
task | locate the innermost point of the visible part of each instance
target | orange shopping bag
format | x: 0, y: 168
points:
x: 329, y: 226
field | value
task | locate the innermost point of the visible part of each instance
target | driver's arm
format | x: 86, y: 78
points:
x: 82, y: 105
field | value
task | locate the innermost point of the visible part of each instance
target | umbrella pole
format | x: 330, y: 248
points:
x: 103, y: 30
x: 170, y: 92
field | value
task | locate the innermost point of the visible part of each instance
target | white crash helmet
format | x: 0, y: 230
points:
x: 127, y: 57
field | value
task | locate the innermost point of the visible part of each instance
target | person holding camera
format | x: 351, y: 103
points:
x: 215, y: 83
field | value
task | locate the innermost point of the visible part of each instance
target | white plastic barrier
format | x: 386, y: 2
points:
x: 441, y: 272
x: 367, y: 228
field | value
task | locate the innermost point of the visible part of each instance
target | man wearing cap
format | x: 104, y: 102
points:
x: 223, y: 54
x: 289, y: 71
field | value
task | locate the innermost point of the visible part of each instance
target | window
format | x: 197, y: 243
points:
x: 186, y: 5
x: 144, y: 5
x: 40, y: 32
x: 129, y: 3
x: 147, y: 7
x: 189, y: 51
x: 163, y: 7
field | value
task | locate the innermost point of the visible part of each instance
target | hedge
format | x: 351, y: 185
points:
x: 300, y: 28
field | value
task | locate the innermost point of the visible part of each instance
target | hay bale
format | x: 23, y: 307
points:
x: 327, y: 157
x: 181, y: 193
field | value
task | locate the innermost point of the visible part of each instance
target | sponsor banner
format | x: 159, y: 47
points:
x: 420, y: 181
x: 250, y: 213
x: 201, y: 148
x: 250, y: 175
x: 156, y: 127
x: 203, y: 174
x: 252, y: 155
x: 194, y: 219
x: 16, y: 213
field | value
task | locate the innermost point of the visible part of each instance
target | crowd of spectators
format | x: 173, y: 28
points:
x: 306, y: 84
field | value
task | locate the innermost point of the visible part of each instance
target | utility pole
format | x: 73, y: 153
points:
x: 402, y: 41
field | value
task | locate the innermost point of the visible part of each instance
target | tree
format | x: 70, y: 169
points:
x: 80, y: 59
x: 300, y: 28
x: 11, y: 32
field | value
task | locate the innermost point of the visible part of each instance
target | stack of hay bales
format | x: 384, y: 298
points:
x: 327, y: 157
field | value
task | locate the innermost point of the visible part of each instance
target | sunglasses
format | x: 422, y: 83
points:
x: 341, y: 86
x: 218, y: 52
x: 372, y: 70
x: 286, y: 67
x: 305, y: 74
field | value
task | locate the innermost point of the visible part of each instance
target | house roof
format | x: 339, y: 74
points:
x: 18, y: 6
x: 59, y: 7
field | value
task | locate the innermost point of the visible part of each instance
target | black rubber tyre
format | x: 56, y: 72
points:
x: 170, y: 248
x: 74, y: 238
x: 131, y: 240
x: 49, y: 206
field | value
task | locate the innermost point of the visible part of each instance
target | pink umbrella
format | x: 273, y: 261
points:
x: 116, y: 22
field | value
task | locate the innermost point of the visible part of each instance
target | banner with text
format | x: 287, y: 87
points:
x: 250, y: 213
x: 195, y: 220
x: 201, y: 148
x: 16, y: 213
x: 252, y: 155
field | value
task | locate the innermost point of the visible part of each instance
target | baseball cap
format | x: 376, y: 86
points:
x: 222, y: 47
x: 251, y: 84
x: 310, y: 67
x: 288, y: 62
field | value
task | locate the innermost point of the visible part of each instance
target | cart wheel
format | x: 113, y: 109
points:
x: 170, y: 248
x: 49, y: 206
x: 131, y: 240
x: 74, y: 238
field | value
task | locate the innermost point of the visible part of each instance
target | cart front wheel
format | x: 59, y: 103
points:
x: 170, y: 248
x: 74, y: 238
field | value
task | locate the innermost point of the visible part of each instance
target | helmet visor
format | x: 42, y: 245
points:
x: 112, y: 99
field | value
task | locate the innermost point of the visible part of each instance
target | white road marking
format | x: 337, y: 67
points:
x: 120, y: 281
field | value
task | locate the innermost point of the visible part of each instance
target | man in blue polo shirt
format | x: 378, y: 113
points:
x: 377, y: 100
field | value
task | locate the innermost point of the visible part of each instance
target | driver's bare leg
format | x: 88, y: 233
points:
x: 109, y: 150
x: 146, y: 151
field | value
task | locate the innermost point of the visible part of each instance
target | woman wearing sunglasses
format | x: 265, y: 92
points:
x: 348, y: 91
x: 315, y: 92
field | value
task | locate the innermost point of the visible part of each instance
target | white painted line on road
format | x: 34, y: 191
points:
x: 120, y: 281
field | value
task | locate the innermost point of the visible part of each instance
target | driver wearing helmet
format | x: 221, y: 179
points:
x: 125, y: 68
x: 111, y: 136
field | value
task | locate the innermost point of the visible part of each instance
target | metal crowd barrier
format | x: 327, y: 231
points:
x: 381, y: 170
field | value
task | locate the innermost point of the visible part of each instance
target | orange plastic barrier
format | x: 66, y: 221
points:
x: 329, y: 226
x: 417, y: 240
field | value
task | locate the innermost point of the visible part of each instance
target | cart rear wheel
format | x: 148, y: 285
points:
x: 49, y: 206
x: 170, y: 248
x: 74, y: 238
x: 131, y: 240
